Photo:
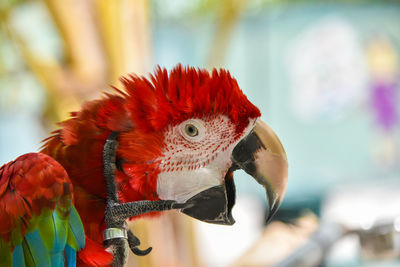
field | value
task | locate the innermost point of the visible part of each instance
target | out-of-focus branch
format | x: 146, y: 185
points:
x: 227, y: 17
x: 109, y: 23
x: 75, y: 22
x: 125, y: 30
x: 136, y: 36
x: 44, y: 71
x: 82, y: 75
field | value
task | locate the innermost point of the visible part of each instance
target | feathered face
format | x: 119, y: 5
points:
x: 197, y: 155
x: 192, y: 129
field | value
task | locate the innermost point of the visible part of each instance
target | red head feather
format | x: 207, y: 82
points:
x: 185, y: 93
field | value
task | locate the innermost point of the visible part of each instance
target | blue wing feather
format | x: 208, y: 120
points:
x: 34, y: 250
x: 60, y: 239
x: 76, y: 227
x: 18, y: 256
x: 70, y: 256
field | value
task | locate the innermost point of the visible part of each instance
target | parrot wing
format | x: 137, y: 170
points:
x: 39, y: 226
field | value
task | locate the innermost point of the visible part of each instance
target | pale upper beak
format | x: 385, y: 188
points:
x: 262, y: 155
x: 259, y: 154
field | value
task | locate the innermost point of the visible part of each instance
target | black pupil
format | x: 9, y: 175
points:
x: 191, y: 130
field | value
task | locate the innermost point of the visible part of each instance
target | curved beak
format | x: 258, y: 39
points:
x: 262, y: 155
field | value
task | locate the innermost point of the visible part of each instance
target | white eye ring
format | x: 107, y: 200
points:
x: 192, y: 130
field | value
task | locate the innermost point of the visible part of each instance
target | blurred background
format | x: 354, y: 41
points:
x: 325, y: 74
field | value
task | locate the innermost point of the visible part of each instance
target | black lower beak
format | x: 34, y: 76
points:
x: 213, y: 205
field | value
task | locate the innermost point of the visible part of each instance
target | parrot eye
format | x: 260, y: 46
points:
x: 191, y: 130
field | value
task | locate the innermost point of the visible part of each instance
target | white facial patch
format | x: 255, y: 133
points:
x: 181, y: 185
x: 193, y: 163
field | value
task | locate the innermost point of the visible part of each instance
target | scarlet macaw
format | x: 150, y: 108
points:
x: 168, y: 142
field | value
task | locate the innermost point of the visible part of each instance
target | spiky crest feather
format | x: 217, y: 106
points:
x: 185, y: 93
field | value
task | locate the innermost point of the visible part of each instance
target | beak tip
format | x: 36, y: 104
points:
x: 272, y: 210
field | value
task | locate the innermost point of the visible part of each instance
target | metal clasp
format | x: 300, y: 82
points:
x: 112, y: 233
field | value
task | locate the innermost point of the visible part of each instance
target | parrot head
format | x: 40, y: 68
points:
x: 190, y: 130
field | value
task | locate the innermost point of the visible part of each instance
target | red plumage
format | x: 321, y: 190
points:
x: 94, y: 255
x: 140, y: 114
